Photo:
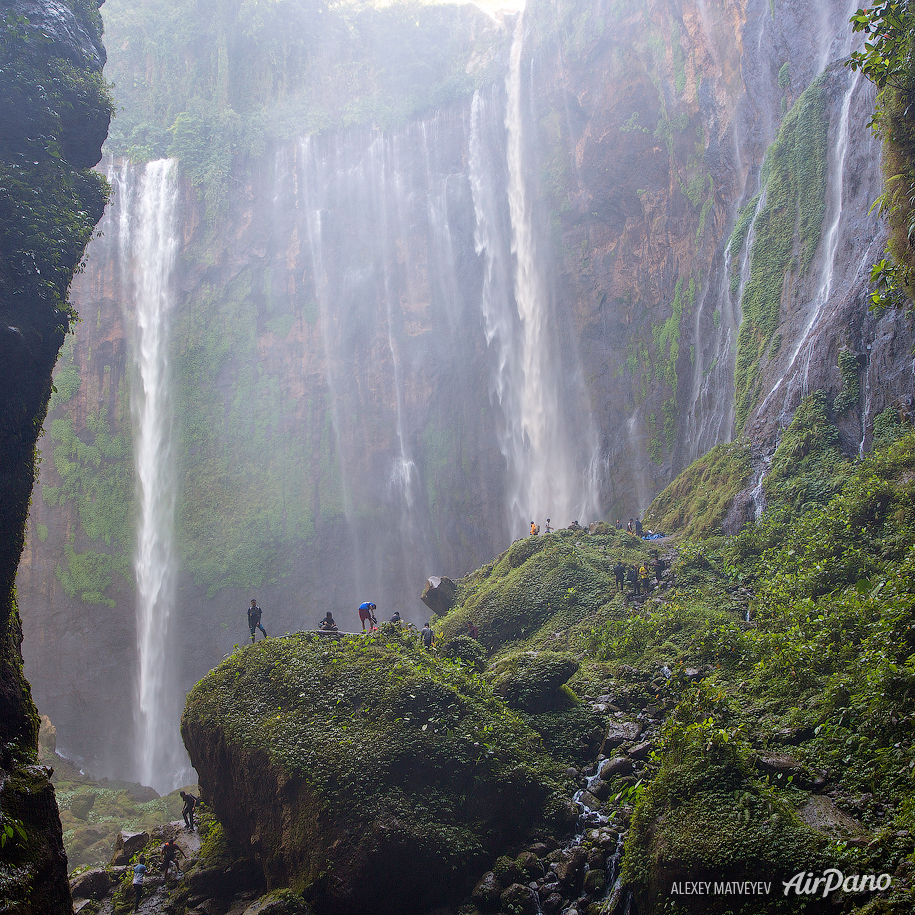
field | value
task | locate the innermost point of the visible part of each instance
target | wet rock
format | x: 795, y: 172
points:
x: 620, y: 732
x: 568, y: 864
x: 519, y: 899
x: 127, y: 845
x: 589, y: 800
x: 641, y: 750
x: 507, y: 871
x: 281, y: 902
x: 81, y: 804
x: 553, y: 903
x: 595, y: 882
x: 487, y: 891
x: 619, y: 765
x: 821, y: 814
x: 94, y: 884
x: 597, y: 857
x: 529, y: 864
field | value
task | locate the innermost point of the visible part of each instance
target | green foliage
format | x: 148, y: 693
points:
x: 886, y: 60
x: 805, y: 464
x: 696, y: 502
x: 851, y: 388
x: 795, y: 170
x: 533, y: 681
x: 48, y: 208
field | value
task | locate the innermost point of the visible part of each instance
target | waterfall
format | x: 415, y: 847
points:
x: 548, y: 475
x: 149, y: 245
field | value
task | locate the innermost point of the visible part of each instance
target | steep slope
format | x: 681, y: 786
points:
x: 54, y: 113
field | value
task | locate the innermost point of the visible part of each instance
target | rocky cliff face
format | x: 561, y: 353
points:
x: 394, y: 349
x: 54, y: 118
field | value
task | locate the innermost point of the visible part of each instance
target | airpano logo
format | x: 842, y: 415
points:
x: 806, y: 884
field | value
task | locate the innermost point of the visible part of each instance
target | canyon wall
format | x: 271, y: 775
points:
x: 390, y: 350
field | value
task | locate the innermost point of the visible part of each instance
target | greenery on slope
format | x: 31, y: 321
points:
x: 794, y: 181
x: 887, y: 60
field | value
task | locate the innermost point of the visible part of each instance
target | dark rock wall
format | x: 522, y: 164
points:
x: 53, y: 120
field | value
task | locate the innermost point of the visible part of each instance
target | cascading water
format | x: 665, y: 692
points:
x: 547, y: 476
x: 149, y: 246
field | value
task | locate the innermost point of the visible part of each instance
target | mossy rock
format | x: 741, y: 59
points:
x: 366, y: 770
x: 537, y: 580
x: 466, y: 649
x: 532, y: 681
x: 704, y: 818
x: 697, y: 501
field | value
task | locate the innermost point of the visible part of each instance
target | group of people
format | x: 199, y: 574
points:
x: 366, y: 615
x: 535, y: 528
x: 170, y: 850
x: 639, y: 579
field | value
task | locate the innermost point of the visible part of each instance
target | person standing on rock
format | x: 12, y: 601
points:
x: 254, y: 619
x: 170, y: 852
x: 427, y: 636
x: 139, y: 874
x: 549, y: 529
x: 190, y: 805
x: 632, y: 576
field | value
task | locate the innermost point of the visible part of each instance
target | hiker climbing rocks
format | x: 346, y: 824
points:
x: 472, y: 630
x: 367, y: 615
x: 619, y: 571
x: 139, y: 874
x: 328, y: 624
x: 427, y: 636
x: 170, y: 852
x: 254, y: 619
x: 190, y: 805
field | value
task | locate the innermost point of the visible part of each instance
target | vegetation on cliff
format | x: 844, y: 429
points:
x: 887, y: 60
x: 54, y: 110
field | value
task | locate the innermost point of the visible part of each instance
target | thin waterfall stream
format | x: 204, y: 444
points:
x: 151, y: 247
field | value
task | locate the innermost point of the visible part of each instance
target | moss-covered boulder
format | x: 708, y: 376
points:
x: 364, y: 771
x: 533, y: 681
x: 538, y: 581
x: 705, y: 818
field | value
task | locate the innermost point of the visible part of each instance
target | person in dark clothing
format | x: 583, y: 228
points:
x: 427, y: 636
x: 254, y: 619
x: 619, y: 570
x: 367, y: 615
x: 170, y: 852
x: 632, y: 576
x: 472, y: 630
x: 638, y: 528
x: 396, y: 617
x: 328, y: 624
x: 619, y: 524
x: 659, y: 567
x: 190, y: 805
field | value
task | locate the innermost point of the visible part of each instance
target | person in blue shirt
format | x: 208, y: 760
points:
x: 139, y: 873
x: 367, y: 615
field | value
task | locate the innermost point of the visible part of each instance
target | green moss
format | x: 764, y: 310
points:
x: 803, y: 468
x: 696, y: 502
x: 441, y: 745
x: 851, y: 388
x: 795, y: 182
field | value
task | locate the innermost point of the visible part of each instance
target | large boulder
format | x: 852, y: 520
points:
x: 364, y: 771
x: 127, y: 845
x: 439, y: 594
